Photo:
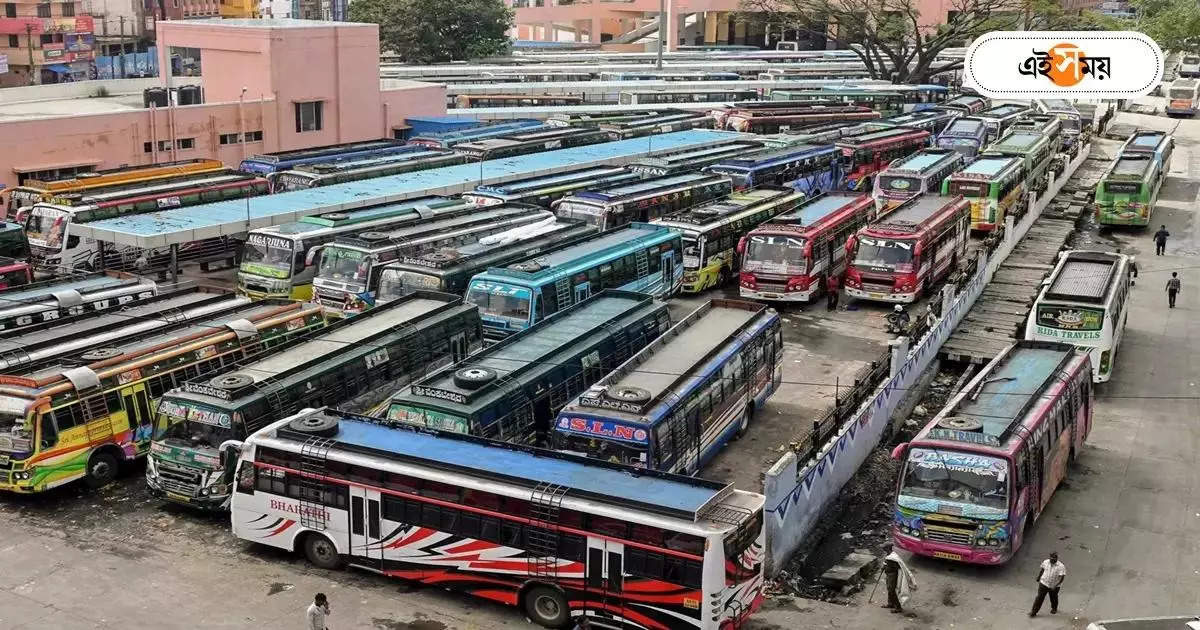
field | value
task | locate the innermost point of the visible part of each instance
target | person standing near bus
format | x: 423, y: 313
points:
x: 317, y: 612
x: 831, y: 289
x: 900, y: 580
x: 1049, y: 580
x: 1173, y: 287
x: 1160, y: 241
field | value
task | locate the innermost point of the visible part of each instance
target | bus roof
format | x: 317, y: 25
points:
x: 182, y: 225
x: 42, y: 291
x: 1018, y: 142
x: 814, y: 209
x: 325, y: 168
x: 913, y: 212
x: 963, y: 125
x: 124, y: 174
x: 988, y: 167
x: 541, y: 181
x: 331, y: 150
x: 1084, y: 276
x: 495, y: 249
x: 1145, y: 140
x: 624, y: 486
x: 468, y: 220
x: 1003, y: 111
x: 700, y: 154
x: 1131, y: 166
x: 550, y: 262
x: 921, y: 160
x: 763, y: 159
x: 919, y: 116
x: 870, y: 137
x: 699, y: 218
x: 644, y: 186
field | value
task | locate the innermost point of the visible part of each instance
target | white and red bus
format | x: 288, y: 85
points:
x: 866, y: 154
x: 909, y: 250
x: 791, y: 257
x: 559, y: 535
x: 986, y: 465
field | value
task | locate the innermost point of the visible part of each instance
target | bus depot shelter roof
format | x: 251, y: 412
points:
x: 183, y: 225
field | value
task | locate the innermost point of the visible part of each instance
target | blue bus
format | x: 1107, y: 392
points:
x: 967, y: 135
x: 808, y: 168
x: 512, y: 390
x: 284, y: 160
x: 679, y: 400
x: 638, y: 257
x: 448, y: 139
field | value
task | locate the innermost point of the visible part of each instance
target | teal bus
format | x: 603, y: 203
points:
x: 1036, y: 153
x: 1128, y: 191
x: 513, y: 390
x: 638, y: 257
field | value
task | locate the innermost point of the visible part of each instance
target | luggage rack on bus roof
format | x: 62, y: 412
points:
x: 1083, y: 276
x: 719, y: 209
x: 912, y: 212
x: 1144, y: 140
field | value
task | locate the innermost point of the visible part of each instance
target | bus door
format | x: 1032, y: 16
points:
x: 667, y: 264
x: 140, y: 417
x: 605, y: 580
x: 582, y: 291
x: 365, y: 545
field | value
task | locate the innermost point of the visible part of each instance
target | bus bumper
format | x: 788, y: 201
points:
x: 788, y: 296
x: 957, y: 553
x: 879, y: 296
x: 980, y: 226
x: 214, y: 503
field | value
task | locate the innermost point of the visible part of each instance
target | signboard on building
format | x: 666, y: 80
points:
x: 38, y: 26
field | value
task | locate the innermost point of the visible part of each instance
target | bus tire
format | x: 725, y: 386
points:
x: 321, y: 551
x: 101, y: 469
x: 744, y: 422
x: 547, y: 607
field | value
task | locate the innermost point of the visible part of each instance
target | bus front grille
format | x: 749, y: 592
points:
x: 948, y: 536
x: 179, y: 479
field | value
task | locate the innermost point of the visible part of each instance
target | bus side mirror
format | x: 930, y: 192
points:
x: 311, y: 256
x: 230, y: 451
x: 898, y: 452
x: 741, y: 246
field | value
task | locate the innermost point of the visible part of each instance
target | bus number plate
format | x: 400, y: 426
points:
x: 944, y: 555
x: 179, y: 497
x: 877, y: 296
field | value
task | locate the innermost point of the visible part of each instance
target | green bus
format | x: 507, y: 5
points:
x: 1128, y: 190
x: 995, y: 187
x: 1036, y: 152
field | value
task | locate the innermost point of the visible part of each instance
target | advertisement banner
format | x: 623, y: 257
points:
x: 38, y: 26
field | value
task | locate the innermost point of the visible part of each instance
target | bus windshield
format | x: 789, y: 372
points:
x: 691, y: 252
x: 948, y: 143
x: 883, y: 252
x: 267, y: 256
x: 775, y: 254
x: 900, y: 184
x: 46, y: 225
x: 955, y: 476
x: 586, y: 212
x: 607, y: 450
x: 191, y: 433
x: 1182, y: 93
x: 498, y: 300
x: 344, y: 264
x: 395, y: 282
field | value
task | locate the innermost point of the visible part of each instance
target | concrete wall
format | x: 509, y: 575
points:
x: 798, y: 493
x: 82, y: 89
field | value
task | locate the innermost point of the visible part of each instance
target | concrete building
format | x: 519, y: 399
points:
x: 269, y: 85
x: 45, y: 42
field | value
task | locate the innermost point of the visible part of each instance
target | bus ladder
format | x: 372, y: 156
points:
x: 272, y: 392
x: 643, y: 265
x: 562, y: 291
x: 545, y: 503
x: 620, y: 340
x: 313, y: 469
x: 96, y: 417
x: 516, y: 402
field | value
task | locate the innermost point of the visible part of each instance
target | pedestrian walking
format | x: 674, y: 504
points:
x: 1049, y: 580
x: 317, y: 612
x: 900, y: 582
x: 832, y: 288
x: 1173, y: 287
x: 1160, y: 241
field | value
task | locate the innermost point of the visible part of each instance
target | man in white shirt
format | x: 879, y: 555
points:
x: 1049, y: 580
x: 317, y: 611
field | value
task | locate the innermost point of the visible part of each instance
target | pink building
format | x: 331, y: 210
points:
x: 615, y: 22
x: 269, y: 85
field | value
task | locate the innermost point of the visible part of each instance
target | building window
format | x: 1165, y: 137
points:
x: 163, y: 146
x: 44, y: 10
x: 253, y: 136
x: 10, y: 9
x: 68, y: 9
x: 308, y: 116
x: 185, y: 143
x: 51, y: 38
x: 229, y: 138
x: 14, y: 41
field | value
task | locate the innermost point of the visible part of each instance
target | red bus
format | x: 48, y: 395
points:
x: 14, y: 273
x: 791, y: 257
x: 866, y: 154
x: 986, y: 465
x: 910, y: 250
x: 786, y: 118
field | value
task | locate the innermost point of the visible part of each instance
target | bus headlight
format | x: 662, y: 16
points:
x: 23, y: 475
x: 1104, y: 359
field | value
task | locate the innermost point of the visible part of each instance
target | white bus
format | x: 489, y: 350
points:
x: 920, y: 173
x: 1182, y: 97
x: 1084, y: 303
x: 559, y: 535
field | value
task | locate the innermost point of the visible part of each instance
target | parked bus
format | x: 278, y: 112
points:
x: 643, y: 200
x: 999, y: 118
x: 807, y: 168
x: 966, y: 104
x: 33, y: 191
x: 547, y: 190
x: 983, y: 470
x: 909, y: 251
x: 561, y: 537
x: 887, y: 103
x: 711, y: 232
x: 687, y: 162
x: 866, y: 154
x: 669, y: 97
x: 676, y: 403
x: 669, y: 75
x: 1072, y: 122
x: 791, y: 257
x: 14, y: 273
x: 348, y: 274
x: 994, y: 187
x: 1158, y: 143
x: 449, y: 139
x: 1085, y: 303
x: 48, y: 225
x: 277, y: 261
x: 967, y: 135
x: 931, y: 120
x: 1128, y: 191
x: 522, y: 143
x: 512, y: 391
x: 921, y: 97
x: 1048, y: 125
x: 780, y: 120
x: 1189, y: 66
x: 826, y: 133
x: 920, y: 173
x: 65, y: 297
x: 13, y: 243
x: 353, y: 364
x: 323, y: 174
x: 1182, y: 97
x: 666, y: 122
x: 469, y: 101
x: 594, y: 120
x: 720, y: 115
x: 284, y: 160
x: 1035, y: 151
x: 81, y: 419
x: 638, y: 257
x: 449, y: 269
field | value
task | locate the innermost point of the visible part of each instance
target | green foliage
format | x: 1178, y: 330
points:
x: 1174, y: 24
x: 435, y: 31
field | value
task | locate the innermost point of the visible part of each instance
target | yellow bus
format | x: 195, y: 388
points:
x: 33, y: 191
x: 65, y: 419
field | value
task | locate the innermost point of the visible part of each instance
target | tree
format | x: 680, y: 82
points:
x: 1173, y: 24
x: 434, y: 31
x: 896, y: 42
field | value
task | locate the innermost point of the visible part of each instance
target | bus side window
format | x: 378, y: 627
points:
x: 49, y: 431
x: 245, y: 477
x: 550, y: 298
x: 664, y: 446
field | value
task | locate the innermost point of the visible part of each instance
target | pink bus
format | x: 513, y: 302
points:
x: 986, y: 466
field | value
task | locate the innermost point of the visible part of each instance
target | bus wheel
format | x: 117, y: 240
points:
x: 101, y: 469
x: 322, y: 552
x: 744, y: 421
x: 547, y: 607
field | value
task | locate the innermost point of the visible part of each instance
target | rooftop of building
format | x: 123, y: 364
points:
x: 260, y: 23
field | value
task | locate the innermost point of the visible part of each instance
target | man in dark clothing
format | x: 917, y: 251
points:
x: 831, y: 289
x: 1173, y: 287
x: 891, y: 571
x: 1160, y: 241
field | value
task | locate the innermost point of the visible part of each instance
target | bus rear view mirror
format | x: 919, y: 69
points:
x: 311, y: 257
x: 741, y: 246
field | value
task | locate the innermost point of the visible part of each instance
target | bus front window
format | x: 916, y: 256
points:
x: 586, y: 212
x: 884, y: 253
x: 691, y: 253
x: 607, y: 450
x: 195, y: 434
x: 344, y: 264
x: 500, y: 301
x: 16, y: 436
x: 900, y: 184
x: 267, y: 257
x: 769, y: 253
x: 45, y: 226
x: 944, y: 475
